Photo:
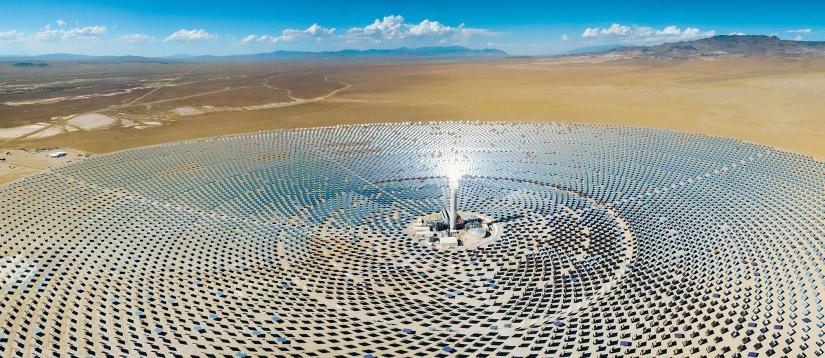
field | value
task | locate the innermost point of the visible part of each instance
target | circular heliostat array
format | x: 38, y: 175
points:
x: 604, y: 241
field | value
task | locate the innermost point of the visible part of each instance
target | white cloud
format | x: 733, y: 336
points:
x: 48, y: 33
x: 799, y: 31
x: 88, y: 31
x: 437, y: 29
x: 390, y: 27
x: 394, y: 28
x: 60, y: 22
x: 590, y: 32
x: 134, y: 38
x: 671, y: 30
x: 11, y: 35
x: 616, y: 29
x: 314, y: 31
x: 317, y: 30
x: 249, y: 38
x: 737, y: 34
x: 634, y: 34
x: 692, y: 33
x: 565, y: 37
x: 427, y: 28
x: 190, y: 35
x: 798, y: 38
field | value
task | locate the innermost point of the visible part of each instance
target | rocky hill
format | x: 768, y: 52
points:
x: 747, y: 45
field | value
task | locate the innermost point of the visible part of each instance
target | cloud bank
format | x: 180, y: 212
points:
x: 50, y: 34
x: 392, y: 29
x: 11, y: 35
x: 314, y: 31
x: 634, y: 34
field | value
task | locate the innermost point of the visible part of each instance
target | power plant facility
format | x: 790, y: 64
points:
x: 419, y: 239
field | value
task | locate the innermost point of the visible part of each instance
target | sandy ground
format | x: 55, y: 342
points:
x: 20, y: 131
x: 187, y: 111
x: 770, y: 101
x: 91, y: 121
x: 18, y: 163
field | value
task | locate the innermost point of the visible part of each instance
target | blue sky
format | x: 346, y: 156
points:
x: 158, y: 28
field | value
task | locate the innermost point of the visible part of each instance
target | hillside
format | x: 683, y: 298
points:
x: 721, y: 45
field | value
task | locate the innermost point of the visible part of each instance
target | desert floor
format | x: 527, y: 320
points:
x: 779, y: 102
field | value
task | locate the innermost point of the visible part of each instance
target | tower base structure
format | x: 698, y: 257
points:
x: 469, y: 229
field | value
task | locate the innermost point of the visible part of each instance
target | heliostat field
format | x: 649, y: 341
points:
x: 599, y: 240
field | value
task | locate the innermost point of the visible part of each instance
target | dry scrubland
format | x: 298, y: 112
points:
x: 101, y: 108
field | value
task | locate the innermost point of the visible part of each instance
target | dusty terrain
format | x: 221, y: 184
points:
x: 100, y: 108
x: 18, y: 163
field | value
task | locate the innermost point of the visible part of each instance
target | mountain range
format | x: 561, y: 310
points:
x: 402, y: 53
x: 721, y: 45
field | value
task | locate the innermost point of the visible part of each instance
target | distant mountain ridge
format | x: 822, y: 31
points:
x: 748, y: 45
x: 397, y: 53
x: 282, y: 55
x: 594, y: 49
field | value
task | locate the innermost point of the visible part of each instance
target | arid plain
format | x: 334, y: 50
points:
x: 104, y: 107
